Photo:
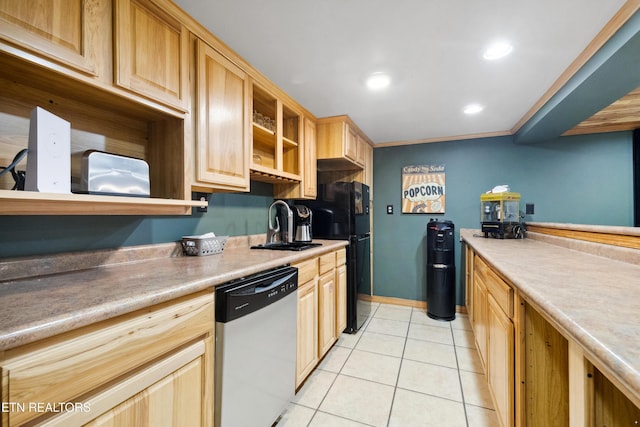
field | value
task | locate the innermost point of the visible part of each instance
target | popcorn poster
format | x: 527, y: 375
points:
x: 423, y: 189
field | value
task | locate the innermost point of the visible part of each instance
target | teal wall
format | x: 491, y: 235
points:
x: 585, y: 179
x: 228, y: 215
x: 579, y: 179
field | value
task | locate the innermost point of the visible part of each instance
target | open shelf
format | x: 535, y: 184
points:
x: 35, y: 203
x: 263, y: 136
x: 99, y: 121
x: 286, y: 142
x: 277, y: 147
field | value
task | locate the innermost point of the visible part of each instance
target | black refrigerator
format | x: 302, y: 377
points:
x: 341, y: 212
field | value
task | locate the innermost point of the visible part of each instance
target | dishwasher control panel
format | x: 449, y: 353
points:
x: 248, y: 294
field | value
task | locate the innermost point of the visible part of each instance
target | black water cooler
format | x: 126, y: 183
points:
x: 441, y: 270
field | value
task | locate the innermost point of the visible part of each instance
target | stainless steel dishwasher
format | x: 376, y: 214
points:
x: 255, y: 351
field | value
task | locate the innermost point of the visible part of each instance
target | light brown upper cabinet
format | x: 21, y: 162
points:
x: 361, y: 151
x: 75, y: 34
x: 344, y: 152
x: 341, y: 144
x: 223, y: 122
x: 277, y: 139
x: 351, y: 143
x: 151, y: 52
x: 310, y: 180
x: 337, y: 143
x: 368, y: 167
x: 307, y: 188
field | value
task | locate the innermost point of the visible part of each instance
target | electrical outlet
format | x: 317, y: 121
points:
x: 389, y: 209
x: 203, y: 197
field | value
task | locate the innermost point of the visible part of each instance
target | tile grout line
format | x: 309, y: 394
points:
x: 395, y: 387
x: 455, y: 351
x: 342, y: 418
x: 364, y: 327
x: 350, y: 353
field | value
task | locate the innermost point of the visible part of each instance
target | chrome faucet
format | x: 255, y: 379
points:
x: 272, y: 231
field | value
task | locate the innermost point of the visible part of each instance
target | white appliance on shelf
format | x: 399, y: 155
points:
x: 49, y: 158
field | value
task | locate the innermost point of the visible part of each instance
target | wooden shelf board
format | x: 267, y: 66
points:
x: 35, y: 203
x: 289, y: 142
x: 263, y: 135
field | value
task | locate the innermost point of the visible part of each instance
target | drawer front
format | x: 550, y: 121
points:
x: 61, y: 368
x: 341, y: 257
x: 307, y: 270
x: 177, y: 377
x: 327, y: 262
x: 501, y: 292
x: 480, y: 267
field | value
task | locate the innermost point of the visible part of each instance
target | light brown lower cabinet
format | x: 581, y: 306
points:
x: 307, y: 344
x: 546, y: 372
x: 326, y: 311
x: 468, y: 277
x: 611, y: 407
x: 153, y: 367
x: 537, y: 376
x: 563, y: 388
x: 168, y: 393
x: 327, y: 303
x: 500, y: 361
x: 321, y: 308
x: 341, y: 299
x: 494, y: 332
x: 480, y: 318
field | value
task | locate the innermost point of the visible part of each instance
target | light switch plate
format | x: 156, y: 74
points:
x: 529, y: 209
x: 390, y: 209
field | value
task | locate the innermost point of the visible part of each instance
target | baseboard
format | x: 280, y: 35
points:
x: 404, y: 302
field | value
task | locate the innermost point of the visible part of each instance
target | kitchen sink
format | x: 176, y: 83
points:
x: 287, y: 246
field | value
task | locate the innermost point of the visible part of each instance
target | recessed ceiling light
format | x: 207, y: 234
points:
x: 378, y: 81
x: 473, y: 109
x: 497, y: 50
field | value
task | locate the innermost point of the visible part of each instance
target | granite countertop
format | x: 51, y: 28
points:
x: 75, y: 290
x: 594, y: 299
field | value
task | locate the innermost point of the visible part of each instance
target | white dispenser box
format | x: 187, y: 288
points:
x: 49, y: 158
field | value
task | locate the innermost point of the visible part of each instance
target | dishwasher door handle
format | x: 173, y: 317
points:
x: 272, y: 285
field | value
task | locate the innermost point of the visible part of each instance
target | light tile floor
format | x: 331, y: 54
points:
x: 402, y: 369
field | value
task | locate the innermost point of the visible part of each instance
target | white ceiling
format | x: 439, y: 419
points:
x: 320, y: 53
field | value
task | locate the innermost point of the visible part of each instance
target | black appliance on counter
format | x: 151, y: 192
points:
x: 302, y: 216
x: 341, y: 212
x: 441, y: 270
